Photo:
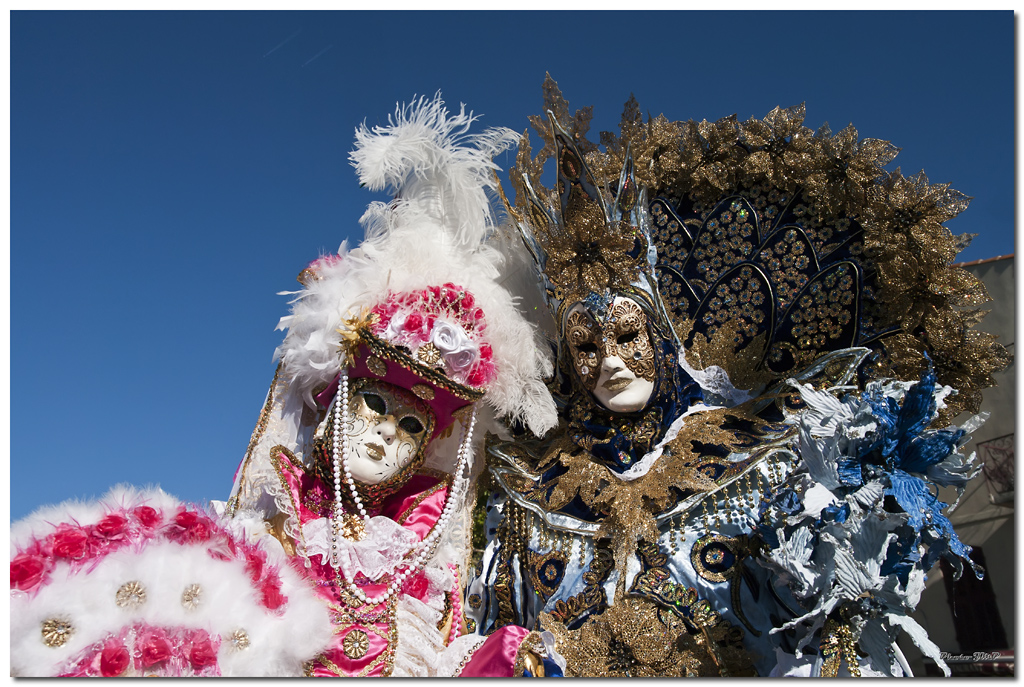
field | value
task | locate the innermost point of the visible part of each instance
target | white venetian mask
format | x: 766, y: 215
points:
x: 390, y: 428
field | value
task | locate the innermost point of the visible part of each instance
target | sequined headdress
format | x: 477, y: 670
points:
x: 589, y: 236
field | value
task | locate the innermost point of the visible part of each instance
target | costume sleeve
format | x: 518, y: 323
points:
x: 504, y: 654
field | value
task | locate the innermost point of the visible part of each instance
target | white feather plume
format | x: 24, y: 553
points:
x: 439, y: 171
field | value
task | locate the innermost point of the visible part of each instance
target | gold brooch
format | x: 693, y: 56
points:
x: 191, y: 597
x: 355, y: 644
x: 56, y: 632
x: 424, y: 391
x: 239, y: 640
x: 131, y: 594
x: 377, y: 366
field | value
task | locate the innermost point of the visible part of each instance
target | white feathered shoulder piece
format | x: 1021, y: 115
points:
x: 436, y: 230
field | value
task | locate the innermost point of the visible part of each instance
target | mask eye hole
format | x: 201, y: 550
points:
x: 587, y: 348
x: 411, y: 424
x: 375, y: 403
x: 627, y: 338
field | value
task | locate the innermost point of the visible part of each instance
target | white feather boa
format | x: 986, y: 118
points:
x: 85, y: 594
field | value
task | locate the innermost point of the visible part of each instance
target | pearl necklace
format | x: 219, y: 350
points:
x: 417, y: 557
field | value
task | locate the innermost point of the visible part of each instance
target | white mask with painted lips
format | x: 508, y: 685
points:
x: 388, y: 431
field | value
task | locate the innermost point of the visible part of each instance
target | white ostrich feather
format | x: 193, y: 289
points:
x: 437, y: 168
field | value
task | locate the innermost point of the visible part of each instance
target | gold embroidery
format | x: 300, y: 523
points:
x: 636, y: 638
x: 387, y: 657
x: 631, y: 507
x: 714, y: 556
x: 592, y: 599
x: 546, y: 571
x: 718, y: 558
x: 837, y: 645
x: 770, y: 192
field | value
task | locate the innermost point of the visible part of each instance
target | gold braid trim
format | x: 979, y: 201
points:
x: 446, y: 483
x: 837, y: 645
x: 254, y: 439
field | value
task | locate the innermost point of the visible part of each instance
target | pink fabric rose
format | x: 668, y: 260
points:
x: 270, y: 592
x: 155, y: 647
x: 413, y: 322
x: 416, y: 587
x: 114, y: 660
x: 27, y: 571
x: 148, y: 516
x: 195, y: 527
x: 112, y: 525
x: 202, y: 653
x: 476, y: 377
x: 70, y: 542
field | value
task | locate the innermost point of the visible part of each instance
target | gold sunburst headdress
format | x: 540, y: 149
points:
x: 773, y: 245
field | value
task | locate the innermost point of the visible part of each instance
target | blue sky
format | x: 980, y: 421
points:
x: 172, y: 171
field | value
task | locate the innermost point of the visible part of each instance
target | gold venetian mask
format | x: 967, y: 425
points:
x: 614, y: 358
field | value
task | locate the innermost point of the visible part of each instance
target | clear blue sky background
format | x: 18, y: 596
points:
x: 170, y: 172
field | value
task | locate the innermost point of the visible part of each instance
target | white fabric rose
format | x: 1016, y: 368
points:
x: 395, y: 327
x: 460, y: 352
